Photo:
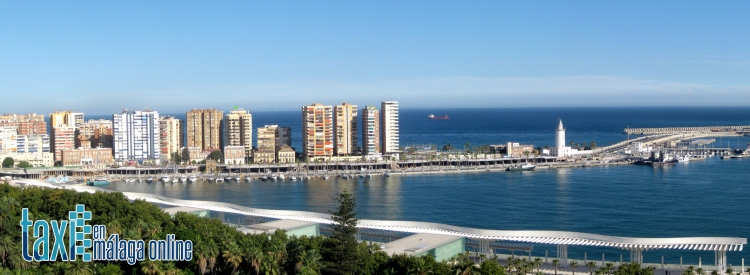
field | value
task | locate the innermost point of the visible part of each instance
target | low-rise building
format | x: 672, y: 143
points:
x: 90, y: 158
x: 33, y: 143
x: 264, y: 155
x: 285, y: 154
x: 196, y: 153
x: 234, y: 154
x: 36, y: 159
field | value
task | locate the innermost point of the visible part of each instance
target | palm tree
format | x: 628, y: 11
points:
x: 556, y: 262
x: 573, y: 265
x: 233, y: 256
x: 255, y: 255
x: 538, y: 263
x: 700, y: 271
x: 150, y: 268
x: 420, y: 267
x: 690, y: 270
x: 310, y: 262
x: 79, y: 267
x: 730, y: 271
x: 7, y: 247
x: 714, y: 272
x: 591, y: 265
x: 609, y: 267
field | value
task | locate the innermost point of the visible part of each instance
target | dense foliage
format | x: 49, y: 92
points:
x: 221, y: 249
x: 8, y: 162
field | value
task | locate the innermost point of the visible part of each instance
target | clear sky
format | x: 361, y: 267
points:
x: 172, y: 56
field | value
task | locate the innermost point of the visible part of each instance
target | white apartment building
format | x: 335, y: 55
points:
x: 8, y: 139
x: 33, y: 143
x: 136, y: 135
x: 370, y: 131
x: 389, y: 131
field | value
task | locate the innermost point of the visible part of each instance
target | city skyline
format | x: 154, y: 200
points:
x: 266, y: 57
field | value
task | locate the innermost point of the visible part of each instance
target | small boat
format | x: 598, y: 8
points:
x: 683, y: 159
x: 369, y: 175
x: 274, y: 177
x: 228, y: 179
x: 736, y: 156
x: 237, y: 179
x: 264, y: 178
x: 183, y: 178
x: 175, y: 180
x: 211, y: 179
x: 293, y: 178
x: 525, y: 167
x: 149, y: 180
x: 166, y: 179
x: 248, y: 178
x: 325, y: 177
x: 344, y: 176
x: 192, y: 178
x: 282, y: 177
x: 219, y: 179
x: 387, y: 174
x: 99, y: 181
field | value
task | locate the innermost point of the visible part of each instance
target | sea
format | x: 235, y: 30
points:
x: 695, y: 199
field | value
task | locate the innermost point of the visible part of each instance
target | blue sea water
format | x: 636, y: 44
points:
x: 699, y: 198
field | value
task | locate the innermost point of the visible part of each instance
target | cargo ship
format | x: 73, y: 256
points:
x: 431, y: 116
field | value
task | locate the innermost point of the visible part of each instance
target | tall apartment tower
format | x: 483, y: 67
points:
x: 98, y: 133
x: 389, y: 130
x: 317, y: 130
x: 370, y: 131
x: 62, y: 138
x: 238, y: 130
x: 65, y: 118
x: 273, y: 137
x: 136, y: 135
x: 170, y: 137
x: 204, y: 128
x: 345, y: 124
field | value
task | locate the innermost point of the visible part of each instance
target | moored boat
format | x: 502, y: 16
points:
x: 525, y: 167
x: 99, y: 181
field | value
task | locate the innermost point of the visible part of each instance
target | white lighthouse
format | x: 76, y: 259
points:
x: 560, y: 149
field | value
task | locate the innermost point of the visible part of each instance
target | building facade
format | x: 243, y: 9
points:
x: 28, y: 124
x: 38, y: 159
x: 8, y: 139
x: 62, y: 138
x: 97, y: 133
x: 317, y: 130
x: 66, y: 118
x: 285, y: 154
x: 234, y: 155
x: 389, y: 131
x: 204, y: 128
x: 33, y: 144
x: 370, y: 131
x: 87, y: 158
x: 267, y: 137
x: 170, y: 136
x: 136, y: 136
x: 345, y: 123
x: 238, y: 130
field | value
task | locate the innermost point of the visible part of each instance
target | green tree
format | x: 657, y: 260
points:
x: 217, y: 156
x: 109, y: 269
x: 608, y: 267
x: 176, y: 157
x: 573, y: 265
x: 538, y: 263
x: 185, y: 155
x: 232, y: 256
x: 340, y: 250
x: 24, y: 164
x: 8, y: 162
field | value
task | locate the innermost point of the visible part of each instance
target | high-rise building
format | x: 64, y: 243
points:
x: 61, y: 138
x: 317, y: 130
x: 33, y: 143
x: 238, y: 130
x: 65, y: 118
x: 283, y: 136
x: 28, y: 124
x: 204, y: 128
x: 267, y: 137
x: 345, y: 124
x: 389, y: 131
x: 370, y: 131
x: 98, y: 133
x: 170, y: 136
x: 8, y: 140
x: 136, y: 135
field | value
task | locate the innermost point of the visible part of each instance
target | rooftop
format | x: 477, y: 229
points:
x: 186, y: 209
x: 417, y: 243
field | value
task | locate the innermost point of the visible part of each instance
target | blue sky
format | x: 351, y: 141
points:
x: 172, y: 56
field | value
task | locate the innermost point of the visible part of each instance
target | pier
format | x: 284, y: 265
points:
x: 702, y: 129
